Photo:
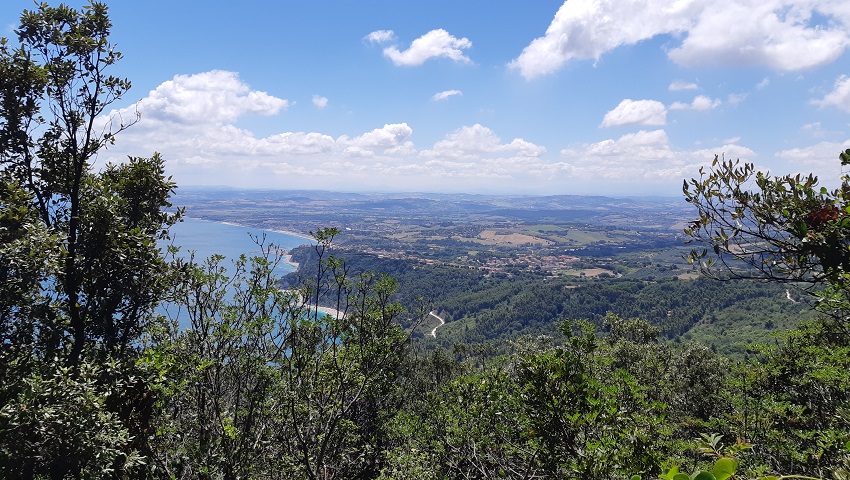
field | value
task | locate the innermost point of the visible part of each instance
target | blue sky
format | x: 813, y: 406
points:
x: 610, y: 97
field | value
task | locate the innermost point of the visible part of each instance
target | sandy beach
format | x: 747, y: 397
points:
x: 285, y: 232
x: 329, y: 311
x: 287, y: 259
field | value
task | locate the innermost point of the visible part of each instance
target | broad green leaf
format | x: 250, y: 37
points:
x: 704, y: 476
x: 681, y: 476
x: 724, y: 468
x: 670, y: 475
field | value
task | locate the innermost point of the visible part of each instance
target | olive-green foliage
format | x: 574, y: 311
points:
x: 611, y: 406
x: 79, y: 264
x: 545, y: 411
x: 60, y: 425
x: 688, y: 379
x: 792, y: 402
x: 261, y: 385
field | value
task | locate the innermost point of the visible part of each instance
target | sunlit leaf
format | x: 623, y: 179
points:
x: 724, y: 468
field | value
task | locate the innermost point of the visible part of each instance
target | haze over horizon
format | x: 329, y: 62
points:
x: 512, y: 97
x: 287, y: 191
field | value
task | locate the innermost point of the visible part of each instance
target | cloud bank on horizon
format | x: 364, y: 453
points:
x: 640, y: 135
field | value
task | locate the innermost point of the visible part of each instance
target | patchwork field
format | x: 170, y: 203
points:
x: 493, y: 237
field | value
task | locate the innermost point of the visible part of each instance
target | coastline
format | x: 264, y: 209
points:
x: 287, y: 259
x: 284, y: 232
x: 329, y: 311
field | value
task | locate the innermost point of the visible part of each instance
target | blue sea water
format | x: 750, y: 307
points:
x: 207, y: 238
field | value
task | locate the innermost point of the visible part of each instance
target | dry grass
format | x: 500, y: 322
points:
x: 588, y: 272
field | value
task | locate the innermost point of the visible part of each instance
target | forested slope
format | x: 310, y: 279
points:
x: 480, y: 306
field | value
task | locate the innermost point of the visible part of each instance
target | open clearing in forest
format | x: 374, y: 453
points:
x: 588, y: 272
x: 576, y: 236
x: 545, y: 228
x: 494, y: 237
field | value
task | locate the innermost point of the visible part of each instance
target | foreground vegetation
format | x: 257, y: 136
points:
x: 95, y: 383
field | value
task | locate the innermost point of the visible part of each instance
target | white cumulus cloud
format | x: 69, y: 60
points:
x: 476, y: 152
x: 320, y: 102
x: 474, y: 141
x: 636, y: 112
x: 191, y: 121
x: 390, y: 139
x: 778, y: 34
x: 444, y: 95
x: 642, y: 156
x: 434, y: 44
x: 210, y: 97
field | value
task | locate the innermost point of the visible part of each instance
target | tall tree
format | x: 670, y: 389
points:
x: 79, y: 263
x: 794, y: 401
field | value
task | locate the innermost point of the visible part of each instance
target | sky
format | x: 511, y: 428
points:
x: 607, y: 97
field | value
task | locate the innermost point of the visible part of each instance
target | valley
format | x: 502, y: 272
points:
x: 499, y: 267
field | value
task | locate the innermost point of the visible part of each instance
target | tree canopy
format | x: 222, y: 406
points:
x: 782, y: 228
x: 79, y: 263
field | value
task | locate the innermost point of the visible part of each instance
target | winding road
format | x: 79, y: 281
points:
x: 442, y: 322
x: 788, y: 296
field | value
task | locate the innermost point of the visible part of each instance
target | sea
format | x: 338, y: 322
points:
x: 208, y: 238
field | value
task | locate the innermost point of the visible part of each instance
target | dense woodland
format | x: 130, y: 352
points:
x: 486, y: 307
x: 535, y: 381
